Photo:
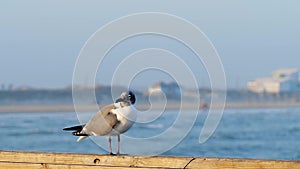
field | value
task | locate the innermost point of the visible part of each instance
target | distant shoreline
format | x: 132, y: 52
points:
x: 90, y: 108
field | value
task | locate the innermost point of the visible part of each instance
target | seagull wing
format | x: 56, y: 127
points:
x: 102, y: 122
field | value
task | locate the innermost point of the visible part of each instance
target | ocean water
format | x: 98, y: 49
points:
x: 241, y: 133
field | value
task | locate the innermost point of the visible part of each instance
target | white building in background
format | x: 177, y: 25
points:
x: 165, y: 88
x: 283, y: 80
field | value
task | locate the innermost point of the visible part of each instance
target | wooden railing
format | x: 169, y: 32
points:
x: 41, y: 160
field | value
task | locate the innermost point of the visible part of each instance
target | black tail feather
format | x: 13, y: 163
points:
x: 76, y: 128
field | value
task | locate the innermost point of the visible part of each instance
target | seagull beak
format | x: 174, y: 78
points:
x: 118, y: 100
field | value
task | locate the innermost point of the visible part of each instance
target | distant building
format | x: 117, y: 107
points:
x: 283, y: 80
x: 4, y: 87
x: 169, y: 89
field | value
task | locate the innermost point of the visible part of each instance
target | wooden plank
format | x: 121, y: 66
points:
x: 19, y: 159
x: 7, y: 165
x: 94, y: 159
x: 208, y: 163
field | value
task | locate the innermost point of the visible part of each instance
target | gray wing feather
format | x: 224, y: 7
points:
x: 102, y: 122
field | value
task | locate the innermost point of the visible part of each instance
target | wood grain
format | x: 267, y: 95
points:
x: 40, y: 160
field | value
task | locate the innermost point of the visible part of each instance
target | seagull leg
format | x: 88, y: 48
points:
x: 118, y: 152
x: 109, y: 142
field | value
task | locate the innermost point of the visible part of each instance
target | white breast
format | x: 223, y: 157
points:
x: 126, y: 116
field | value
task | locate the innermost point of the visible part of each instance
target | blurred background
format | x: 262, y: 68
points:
x: 258, y: 45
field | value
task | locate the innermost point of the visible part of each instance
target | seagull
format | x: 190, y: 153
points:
x: 112, y: 120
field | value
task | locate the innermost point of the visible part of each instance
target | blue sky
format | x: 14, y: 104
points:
x: 40, y: 41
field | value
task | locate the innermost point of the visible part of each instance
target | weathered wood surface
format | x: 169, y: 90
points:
x: 39, y: 160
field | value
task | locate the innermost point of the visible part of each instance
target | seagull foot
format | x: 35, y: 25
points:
x: 112, y: 154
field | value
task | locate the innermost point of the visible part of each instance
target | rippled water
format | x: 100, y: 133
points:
x: 242, y: 133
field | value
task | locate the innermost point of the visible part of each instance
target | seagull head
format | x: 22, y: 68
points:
x: 128, y: 97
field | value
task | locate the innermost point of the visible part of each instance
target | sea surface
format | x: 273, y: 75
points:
x: 241, y: 133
